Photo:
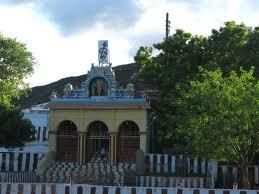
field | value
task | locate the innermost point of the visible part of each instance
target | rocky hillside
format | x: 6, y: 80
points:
x: 41, y: 94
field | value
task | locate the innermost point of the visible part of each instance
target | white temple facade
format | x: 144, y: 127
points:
x: 39, y: 116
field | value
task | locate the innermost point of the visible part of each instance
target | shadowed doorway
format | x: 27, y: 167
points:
x: 129, y: 141
x: 67, y: 142
x: 97, y: 141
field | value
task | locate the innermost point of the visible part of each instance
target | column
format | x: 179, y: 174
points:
x: 1, y: 162
x: 47, y: 133
x: 52, y: 145
x: 44, y: 138
x: 31, y: 162
x: 195, y: 166
x: 7, y: 161
x: 23, y: 161
x: 166, y: 163
x: 173, y: 169
x: 143, y: 141
x: 36, y: 133
x: 158, y: 163
x: 15, y: 164
x: 203, y: 167
x: 78, y: 158
x: 41, y: 134
x: 113, y: 147
x: 85, y: 147
x: 81, y: 146
x: 151, y: 162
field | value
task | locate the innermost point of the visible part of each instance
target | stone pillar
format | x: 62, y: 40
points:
x: 52, y: 145
x: 143, y: 141
x: 85, y: 147
x: 81, y: 146
x: 113, y: 147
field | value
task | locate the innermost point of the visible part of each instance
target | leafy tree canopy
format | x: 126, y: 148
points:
x: 228, y: 48
x: 219, y: 117
x: 16, y: 63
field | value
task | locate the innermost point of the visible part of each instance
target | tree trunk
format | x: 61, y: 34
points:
x: 245, y: 179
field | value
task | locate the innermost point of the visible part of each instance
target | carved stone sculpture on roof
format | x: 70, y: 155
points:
x: 53, y: 94
x: 100, y: 81
x: 67, y: 90
x: 130, y: 89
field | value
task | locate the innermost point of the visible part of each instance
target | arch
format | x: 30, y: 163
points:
x: 67, y: 127
x: 97, y: 128
x: 129, y: 141
x: 98, y: 86
x: 97, y: 141
x: 67, y: 141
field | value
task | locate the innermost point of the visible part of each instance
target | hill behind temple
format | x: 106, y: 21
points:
x: 41, y: 94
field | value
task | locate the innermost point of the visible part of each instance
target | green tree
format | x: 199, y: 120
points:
x: 177, y: 62
x: 227, y: 48
x: 14, y: 130
x: 16, y: 63
x: 219, y: 117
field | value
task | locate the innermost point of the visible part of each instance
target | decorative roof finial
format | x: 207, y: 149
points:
x: 103, y: 52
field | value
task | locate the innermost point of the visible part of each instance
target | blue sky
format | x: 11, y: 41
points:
x: 63, y: 34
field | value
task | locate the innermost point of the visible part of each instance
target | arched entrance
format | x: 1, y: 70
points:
x: 97, y: 141
x: 67, y: 142
x: 129, y: 140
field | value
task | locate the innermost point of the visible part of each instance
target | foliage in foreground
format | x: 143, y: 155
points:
x: 14, y: 130
x: 219, y: 116
x: 219, y: 109
x: 178, y: 61
x: 16, y: 64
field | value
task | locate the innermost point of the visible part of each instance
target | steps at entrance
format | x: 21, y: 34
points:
x: 98, y: 172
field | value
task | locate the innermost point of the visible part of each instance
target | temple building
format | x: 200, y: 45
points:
x: 99, y: 119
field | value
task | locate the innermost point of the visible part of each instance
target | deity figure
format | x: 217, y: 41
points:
x: 68, y: 90
x: 98, y: 88
x: 130, y: 89
x: 53, y: 94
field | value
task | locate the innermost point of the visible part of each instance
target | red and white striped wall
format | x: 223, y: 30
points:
x: 180, y: 165
x: 90, y: 189
x: 226, y: 175
x: 19, y: 161
x: 18, y: 177
x: 188, y: 182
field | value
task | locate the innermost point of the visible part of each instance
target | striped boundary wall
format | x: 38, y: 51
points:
x: 18, y: 177
x: 180, y: 165
x: 90, y: 189
x: 19, y: 161
x: 226, y: 175
x: 186, y: 182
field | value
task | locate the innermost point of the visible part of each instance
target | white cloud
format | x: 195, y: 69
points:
x: 59, y: 56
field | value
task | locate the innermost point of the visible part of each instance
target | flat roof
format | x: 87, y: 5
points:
x: 97, y: 106
x: 96, y: 99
